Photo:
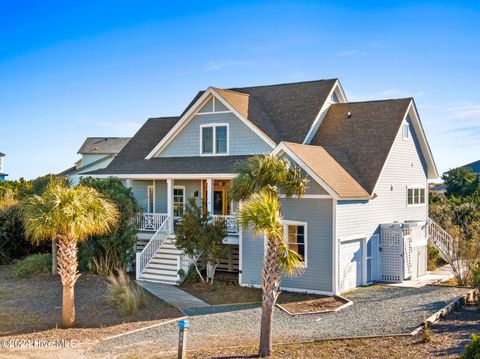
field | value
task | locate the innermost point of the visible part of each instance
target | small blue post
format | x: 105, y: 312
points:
x: 183, y: 326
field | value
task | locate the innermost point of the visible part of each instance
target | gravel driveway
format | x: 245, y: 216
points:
x: 376, y: 310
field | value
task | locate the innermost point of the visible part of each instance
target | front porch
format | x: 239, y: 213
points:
x: 164, y: 202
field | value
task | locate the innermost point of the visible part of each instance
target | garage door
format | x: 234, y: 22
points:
x: 350, y: 271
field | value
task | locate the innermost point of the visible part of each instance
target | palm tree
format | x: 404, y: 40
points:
x: 68, y: 215
x: 260, y: 182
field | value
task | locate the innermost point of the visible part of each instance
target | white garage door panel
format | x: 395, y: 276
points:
x: 350, y: 265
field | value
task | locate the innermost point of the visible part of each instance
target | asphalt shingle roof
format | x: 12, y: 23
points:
x: 361, y: 143
x: 103, y: 145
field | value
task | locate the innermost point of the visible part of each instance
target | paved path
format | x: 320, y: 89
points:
x: 438, y: 275
x: 376, y: 310
x: 173, y: 295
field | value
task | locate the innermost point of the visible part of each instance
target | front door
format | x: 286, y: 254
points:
x: 221, y: 203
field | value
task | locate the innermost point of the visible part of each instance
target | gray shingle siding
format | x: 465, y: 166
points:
x: 404, y: 167
x: 139, y: 190
x: 318, y: 274
x: 243, y: 141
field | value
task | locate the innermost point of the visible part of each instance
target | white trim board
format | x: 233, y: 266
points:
x: 188, y: 116
x: 177, y: 176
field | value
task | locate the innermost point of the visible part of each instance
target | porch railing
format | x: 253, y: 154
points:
x: 150, y: 221
x: 230, y: 223
x: 441, y: 239
x: 144, y: 257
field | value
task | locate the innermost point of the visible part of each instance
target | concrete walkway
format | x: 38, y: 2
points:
x: 432, y: 277
x: 173, y: 295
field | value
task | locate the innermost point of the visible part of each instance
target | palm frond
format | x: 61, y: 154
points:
x: 68, y: 212
x: 290, y: 261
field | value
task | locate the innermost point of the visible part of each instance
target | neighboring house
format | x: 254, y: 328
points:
x: 474, y: 166
x: 362, y: 219
x: 96, y: 153
x: 2, y: 163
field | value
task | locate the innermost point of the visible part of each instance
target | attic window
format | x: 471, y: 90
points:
x: 335, y: 98
x: 214, y: 139
x: 406, y: 131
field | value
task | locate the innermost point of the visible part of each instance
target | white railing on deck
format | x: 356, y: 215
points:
x: 144, y: 257
x: 441, y: 239
x: 230, y: 222
x: 150, y: 221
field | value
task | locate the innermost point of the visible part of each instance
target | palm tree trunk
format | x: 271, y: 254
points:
x: 270, y: 291
x: 67, y: 268
x: 54, y: 257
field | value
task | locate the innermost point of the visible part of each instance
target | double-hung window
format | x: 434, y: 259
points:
x: 416, y: 196
x: 214, y: 139
x: 296, y: 237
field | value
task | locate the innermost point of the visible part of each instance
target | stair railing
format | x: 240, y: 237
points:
x: 442, y: 240
x: 146, y: 255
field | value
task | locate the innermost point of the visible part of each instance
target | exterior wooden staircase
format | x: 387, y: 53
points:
x: 442, y: 240
x: 160, y: 260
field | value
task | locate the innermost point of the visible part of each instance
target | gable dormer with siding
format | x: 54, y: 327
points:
x: 367, y: 164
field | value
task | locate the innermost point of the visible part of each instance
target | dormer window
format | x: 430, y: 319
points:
x: 214, y: 139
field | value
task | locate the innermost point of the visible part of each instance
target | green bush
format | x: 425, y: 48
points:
x: 33, y: 265
x: 124, y: 294
x: 472, y: 349
x: 13, y: 244
x: 110, y: 252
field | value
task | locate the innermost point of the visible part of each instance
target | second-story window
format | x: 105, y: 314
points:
x: 214, y: 139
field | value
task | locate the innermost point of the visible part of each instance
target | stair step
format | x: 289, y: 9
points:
x: 163, y: 260
x: 158, y: 278
x: 161, y: 265
x: 161, y: 272
x: 166, y: 255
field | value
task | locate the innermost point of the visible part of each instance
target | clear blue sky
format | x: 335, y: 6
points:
x: 72, y: 69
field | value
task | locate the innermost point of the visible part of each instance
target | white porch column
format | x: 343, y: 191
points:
x: 210, y: 196
x: 170, y: 204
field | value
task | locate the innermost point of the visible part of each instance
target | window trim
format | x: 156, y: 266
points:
x: 152, y: 187
x: 287, y: 223
x: 214, y: 129
x: 173, y: 198
x: 425, y: 197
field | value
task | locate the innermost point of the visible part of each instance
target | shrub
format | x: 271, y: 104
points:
x: 107, y: 253
x: 433, y: 257
x: 472, y: 349
x: 124, y: 294
x: 33, y: 265
x: 201, y: 239
x: 13, y: 244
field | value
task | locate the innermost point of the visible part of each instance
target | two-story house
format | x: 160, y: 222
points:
x: 2, y: 163
x: 362, y: 219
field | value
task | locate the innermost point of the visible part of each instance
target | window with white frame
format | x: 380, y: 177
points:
x: 178, y: 201
x: 416, y: 196
x: 150, y: 199
x: 406, y: 129
x: 296, y: 237
x: 214, y: 139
